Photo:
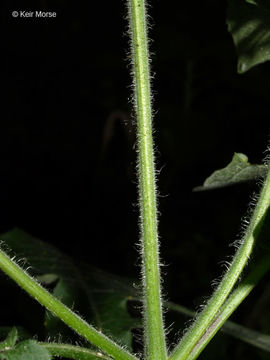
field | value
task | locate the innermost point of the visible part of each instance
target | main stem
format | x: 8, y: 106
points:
x: 154, y: 330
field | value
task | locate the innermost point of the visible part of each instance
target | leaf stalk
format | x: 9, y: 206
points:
x: 206, y: 317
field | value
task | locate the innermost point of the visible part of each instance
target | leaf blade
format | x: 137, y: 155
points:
x: 239, y: 170
x: 249, y: 24
x: 25, y: 350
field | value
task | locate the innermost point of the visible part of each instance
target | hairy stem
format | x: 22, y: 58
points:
x: 249, y: 336
x: 154, y: 330
x: 73, y: 352
x: 207, y: 316
x: 60, y: 310
x: 235, y: 299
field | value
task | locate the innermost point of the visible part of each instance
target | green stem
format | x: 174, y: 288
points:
x: 73, y: 352
x: 60, y: 310
x: 231, y: 328
x: 235, y: 299
x: 206, y: 317
x: 154, y: 329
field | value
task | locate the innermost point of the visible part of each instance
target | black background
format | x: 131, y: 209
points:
x: 68, y: 164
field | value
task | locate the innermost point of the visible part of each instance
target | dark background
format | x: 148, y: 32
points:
x: 67, y: 169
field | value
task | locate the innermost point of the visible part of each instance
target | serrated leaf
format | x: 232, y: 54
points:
x: 25, y: 350
x: 86, y: 290
x: 11, y: 339
x: 239, y: 170
x: 249, y: 23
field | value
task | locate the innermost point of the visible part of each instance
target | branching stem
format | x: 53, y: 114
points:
x: 235, y: 299
x: 207, y: 316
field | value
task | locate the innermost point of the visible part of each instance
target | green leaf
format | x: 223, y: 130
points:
x: 106, y: 301
x: 11, y: 339
x: 99, y: 297
x: 47, y: 279
x: 71, y: 295
x: 21, y: 332
x: 43, y: 258
x: 110, y: 296
x: 239, y: 170
x: 26, y: 350
x: 249, y: 23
